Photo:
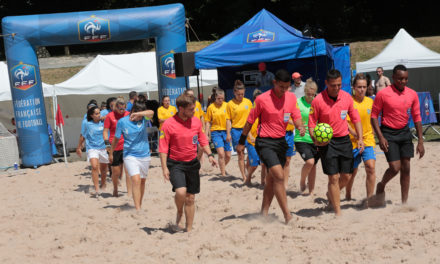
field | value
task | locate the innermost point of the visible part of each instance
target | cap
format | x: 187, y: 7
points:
x: 262, y: 66
x: 296, y: 75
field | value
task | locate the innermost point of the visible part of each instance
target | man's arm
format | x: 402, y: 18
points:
x: 383, y: 143
x: 420, y: 147
x: 247, y: 127
x: 147, y: 113
x: 163, y: 162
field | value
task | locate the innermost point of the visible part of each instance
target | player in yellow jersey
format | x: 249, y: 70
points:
x: 364, y: 106
x: 237, y: 111
x: 215, y: 129
x: 166, y: 110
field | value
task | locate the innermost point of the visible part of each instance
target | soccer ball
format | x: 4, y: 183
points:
x: 323, y: 132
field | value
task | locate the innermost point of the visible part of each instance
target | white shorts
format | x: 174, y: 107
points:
x: 137, y: 166
x: 100, y: 154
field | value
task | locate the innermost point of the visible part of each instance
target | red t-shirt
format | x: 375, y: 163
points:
x: 179, y: 138
x: 326, y: 110
x: 111, y: 119
x: 274, y: 113
x: 396, y: 106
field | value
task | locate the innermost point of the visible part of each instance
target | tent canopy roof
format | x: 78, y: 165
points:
x: 111, y: 74
x: 263, y: 38
x: 403, y: 49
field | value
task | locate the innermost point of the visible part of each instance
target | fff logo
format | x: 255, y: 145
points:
x: 260, y: 36
x: 167, y: 67
x: 94, y: 29
x: 23, y: 76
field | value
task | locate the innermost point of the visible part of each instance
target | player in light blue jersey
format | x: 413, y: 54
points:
x: 91, y: 131
x: 136, y: 148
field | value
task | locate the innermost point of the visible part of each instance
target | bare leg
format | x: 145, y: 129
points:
x: 103, y: 175
x: 95, y: 173
x: 221, y: 160
x: 136, y: 181
x: 128, y: 182
x: 371, y: 176
x: 142, y: 189
x: 189, y: 210
x: 241, y: 164
x: 179, y: 199
x: 250, y: 171
x: 267, y: 194
x: 263, y: 174
x: 405, y: 178
x: 311, y: 179
x: 116, y: 171
x: 227, y: 157
x: 334, y: 192
x: 350, y: 184
x: 306, y: 169
x: 287, y: 172
x: 344, y: 178
x: 393, y: 169
x: 278, y: 189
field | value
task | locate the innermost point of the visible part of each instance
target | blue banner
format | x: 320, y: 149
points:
x: 426, y: 110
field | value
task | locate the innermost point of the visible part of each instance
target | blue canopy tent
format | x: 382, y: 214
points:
x: 265, y: 38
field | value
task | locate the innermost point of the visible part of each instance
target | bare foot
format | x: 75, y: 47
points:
x: 380, y: 188
x: 287, y: 219
x: 348, y: 196
x: 377, y: 200
x: 179, y: 220
x: 103, y: 187
x: 115, y: 193
x: 302, y: 186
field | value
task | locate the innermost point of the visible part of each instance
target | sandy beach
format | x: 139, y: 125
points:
x: 48, y: 216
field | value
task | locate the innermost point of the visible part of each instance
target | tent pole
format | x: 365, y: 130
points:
x: 198, y: 90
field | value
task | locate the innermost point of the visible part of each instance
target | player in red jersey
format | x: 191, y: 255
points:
x: 274, y: 108
x: 332, y: 106
x: 179, y: 136
x: 396, y: 102
x: 117, y: 163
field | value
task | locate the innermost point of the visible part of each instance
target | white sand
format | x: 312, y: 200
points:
x: 47, y: 216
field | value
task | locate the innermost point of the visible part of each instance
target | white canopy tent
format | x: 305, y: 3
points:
x: 111, y: 74
x: 423, y: 64
x: 403, y: 49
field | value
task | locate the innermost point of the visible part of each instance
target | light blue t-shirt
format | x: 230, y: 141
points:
x: 92, y: 132
x: 135, y: 137
x: 129, y: 106
x: 104, y: 112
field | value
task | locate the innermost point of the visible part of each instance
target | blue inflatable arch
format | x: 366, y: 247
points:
x: 24, y: 33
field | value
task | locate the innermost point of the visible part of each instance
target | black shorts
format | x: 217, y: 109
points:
x: 307, y: 151
x: 118, y: 157
x: 399, y: 143
x: 337, y: 156
x: 185, y: 174
x: 272, y: 151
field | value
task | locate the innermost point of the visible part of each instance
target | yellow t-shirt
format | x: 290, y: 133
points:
x: 364, y: 108
x: 253, y: 132
x: 163, y: 113
x: 199, y: 111
x: 217, y: 116
x: 238, y: 112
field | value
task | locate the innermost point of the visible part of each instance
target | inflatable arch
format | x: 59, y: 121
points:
x: 23, y: 33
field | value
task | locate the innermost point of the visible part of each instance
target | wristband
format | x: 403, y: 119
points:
x: 107, y: 143
x: 242, y: 139
x: 211, y: 155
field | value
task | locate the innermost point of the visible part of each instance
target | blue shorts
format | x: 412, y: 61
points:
x: 289, y: 139
x: 235, y: 135
x: 218, y: 137
x: 254, y: 160
x: 366, y: 155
